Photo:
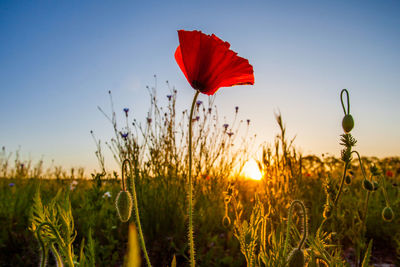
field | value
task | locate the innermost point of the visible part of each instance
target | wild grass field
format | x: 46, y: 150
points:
x: 305, y: 211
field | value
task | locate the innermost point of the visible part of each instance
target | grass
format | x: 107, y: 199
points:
x: 237, y: 222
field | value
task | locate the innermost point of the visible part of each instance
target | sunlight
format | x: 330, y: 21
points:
x: 251, y: 170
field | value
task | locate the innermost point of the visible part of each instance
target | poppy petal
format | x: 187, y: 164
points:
x: 208, y: 63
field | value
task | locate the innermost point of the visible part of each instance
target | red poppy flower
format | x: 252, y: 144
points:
x: 209, y: 64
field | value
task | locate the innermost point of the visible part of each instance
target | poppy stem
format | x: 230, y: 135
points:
x: 190, y: 195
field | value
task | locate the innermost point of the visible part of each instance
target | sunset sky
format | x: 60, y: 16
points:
x: 59, y: 59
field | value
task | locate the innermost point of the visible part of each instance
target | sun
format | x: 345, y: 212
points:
x: 251, y: 170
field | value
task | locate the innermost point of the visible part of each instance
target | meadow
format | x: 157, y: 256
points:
x: 305, y: 211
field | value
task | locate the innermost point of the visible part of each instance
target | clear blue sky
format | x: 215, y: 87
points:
x: 58, y: 59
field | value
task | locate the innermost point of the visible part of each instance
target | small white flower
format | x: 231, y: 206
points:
x: 73, y: 185
x: 107, y: 194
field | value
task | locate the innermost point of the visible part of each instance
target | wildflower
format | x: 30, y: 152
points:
x: 229, y: 134
x: 169, y: 97
x: 236, y: 109
x: 248, y: 122
x: 148, y: 120
x: 11, y: 184
x: 199, y: 102
x: 208, y: 63
x: 126, y: 110
x: 209, y: 110
x: 389, y: 173
x: 107, y: 194
x: 124, y: 135
x: 225, y: 126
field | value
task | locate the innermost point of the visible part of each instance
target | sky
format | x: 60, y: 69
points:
x: 58, y: 59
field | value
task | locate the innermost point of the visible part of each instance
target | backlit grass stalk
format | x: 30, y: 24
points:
x: 190, y: 194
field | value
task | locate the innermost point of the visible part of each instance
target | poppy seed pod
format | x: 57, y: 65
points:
x: 296, y: 258
x: 347, y: 123
x: 123, y: 204
x: 387, y: 214
x: 368, y: 185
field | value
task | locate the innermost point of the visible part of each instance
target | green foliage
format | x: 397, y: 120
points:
x: 53, y: 226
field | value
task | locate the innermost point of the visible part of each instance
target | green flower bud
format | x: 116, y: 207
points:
x: 296, y: 258
x: 387, y: 214
x: 347, y: 123
x: 123, y: 204
x: 347, y: 180
x: 368, y: 185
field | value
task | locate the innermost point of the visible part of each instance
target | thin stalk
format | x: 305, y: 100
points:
x: 190, y: 195
x: 135, y: 203
x: 341, y: 184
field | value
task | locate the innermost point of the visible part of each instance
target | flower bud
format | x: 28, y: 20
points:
x: 387, y: 214
x: 347, y: 123
x: 296, y: 258
x: 368, y: 185
x: 123, y: 204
